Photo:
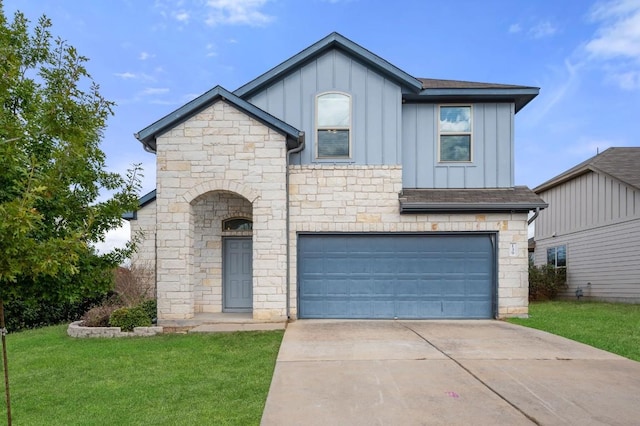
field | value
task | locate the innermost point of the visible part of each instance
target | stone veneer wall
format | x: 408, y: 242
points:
x: 209, y: 210
x: 220, y: 149
x: 351, y: 198
x: 144, y: 226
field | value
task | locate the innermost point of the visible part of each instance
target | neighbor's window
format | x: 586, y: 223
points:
x: 237, y: 224
x: 333, y: 120
x: 455, y: 133
x: 557, y: 256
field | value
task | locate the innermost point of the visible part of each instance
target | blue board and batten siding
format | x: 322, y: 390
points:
x: 385, y: 276
x: 386, y: 132
x: 492, y: 149
x: 376, y: 106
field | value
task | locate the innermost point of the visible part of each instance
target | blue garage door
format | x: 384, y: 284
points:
x: 396, y: 276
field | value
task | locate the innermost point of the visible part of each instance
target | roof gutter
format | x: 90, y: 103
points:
x: 300, y: 147
x: 468, y: 208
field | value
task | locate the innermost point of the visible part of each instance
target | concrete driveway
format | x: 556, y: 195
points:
x: 332, y: 372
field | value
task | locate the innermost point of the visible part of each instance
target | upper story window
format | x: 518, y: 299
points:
x: 557, y: 256
x: 455, y: 133
x: 333, y: 125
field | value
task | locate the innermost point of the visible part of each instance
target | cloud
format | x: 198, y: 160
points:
x: 237, y: 12
x: 126, y: 75
x: 214, y: 12
x: 145, y: 55
x: 542, y: 29
x: 619, y: 33
x: 629, y: 80
x: 211, y: 50
x: 115, y: 238
x: 135, y: 76
x: 182, y: 16
x: 151, y: 91
x: 616, y: 42
x: 555, y: 95
x: 535, y: 30
x: 515, y: 28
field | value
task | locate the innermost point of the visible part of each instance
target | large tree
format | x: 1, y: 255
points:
x: 52, y: 171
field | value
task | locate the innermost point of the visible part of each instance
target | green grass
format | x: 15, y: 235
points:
x: 172, y: 379
x: 614, y: 327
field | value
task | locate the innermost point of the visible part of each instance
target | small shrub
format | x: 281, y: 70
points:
x: 134, y: 284
x: 150, y: 307
x: 545, y: 282
x: 98, y: 316
x: 129, y: 318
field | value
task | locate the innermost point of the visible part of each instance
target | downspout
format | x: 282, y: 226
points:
x: 299, y: 148
x: 535, y: 215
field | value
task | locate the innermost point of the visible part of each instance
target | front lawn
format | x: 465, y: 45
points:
x: 614, y: 327
x: 172, y: 379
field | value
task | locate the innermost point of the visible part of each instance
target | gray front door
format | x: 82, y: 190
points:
x: 238, y: 275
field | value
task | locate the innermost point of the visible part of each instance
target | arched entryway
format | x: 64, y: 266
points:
x: 222, y: 253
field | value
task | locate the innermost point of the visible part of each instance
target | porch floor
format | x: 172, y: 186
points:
x: 221, y: 322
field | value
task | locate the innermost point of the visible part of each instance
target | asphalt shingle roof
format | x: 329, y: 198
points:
x: 621, y: 163
x: 432, y: 83
x: 519, y: 198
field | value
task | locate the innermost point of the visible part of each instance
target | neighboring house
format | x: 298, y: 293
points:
x: 592, y: 226
x: 336, y: 185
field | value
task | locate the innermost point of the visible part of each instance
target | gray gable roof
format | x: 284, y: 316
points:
x: 416, y: 89
x: 622, y: 163
x: 149, y: 134
x: 332, y: 41
x: 517, y: 199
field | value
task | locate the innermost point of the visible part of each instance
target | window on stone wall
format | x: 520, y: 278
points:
x: 237, y: 224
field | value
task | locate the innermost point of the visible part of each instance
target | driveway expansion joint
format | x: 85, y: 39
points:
x: 486, y: 385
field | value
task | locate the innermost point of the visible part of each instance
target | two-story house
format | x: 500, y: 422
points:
x: 592, y: 226
x: 336, y: 185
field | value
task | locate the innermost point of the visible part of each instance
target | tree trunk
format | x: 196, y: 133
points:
x: 3, y: 332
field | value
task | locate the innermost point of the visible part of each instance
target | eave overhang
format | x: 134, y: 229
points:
x: 519, y: 199
x: 406, y: 207
x: 519, y: 96
x: 332, y: 41
x: 142, y: 201
x: 148, y: 135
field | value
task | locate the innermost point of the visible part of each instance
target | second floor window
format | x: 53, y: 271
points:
x: 333, y: 121
x: 455, y: 133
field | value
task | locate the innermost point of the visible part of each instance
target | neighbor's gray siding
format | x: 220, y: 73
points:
x: 608, y: 257
x: 492, y: 145
x: 376, y: 106
x: 598, y: 219
x: 587, y: 201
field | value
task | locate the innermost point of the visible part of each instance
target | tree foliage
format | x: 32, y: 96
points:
x: 52, y: 170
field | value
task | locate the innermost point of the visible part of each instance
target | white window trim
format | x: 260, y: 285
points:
x: 555, y: 260
x: 469, y: 133
x: 349, y: 128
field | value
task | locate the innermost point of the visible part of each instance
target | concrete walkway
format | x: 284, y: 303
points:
x: 332, y: 372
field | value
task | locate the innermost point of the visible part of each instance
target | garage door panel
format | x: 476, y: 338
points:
x: 396, y: 276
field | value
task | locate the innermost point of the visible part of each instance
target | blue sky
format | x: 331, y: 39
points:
x: 151, y: 57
